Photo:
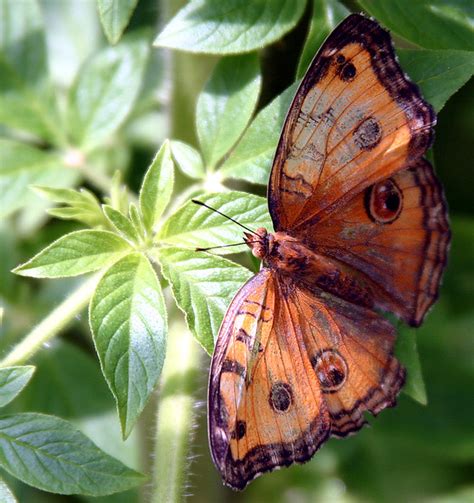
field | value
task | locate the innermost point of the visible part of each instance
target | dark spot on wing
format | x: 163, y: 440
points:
x: 331, y: 369
x: 281, y: 397
x: 384, y: 201
x: 367, y: 134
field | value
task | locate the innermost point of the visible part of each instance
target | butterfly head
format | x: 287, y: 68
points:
x: 278, y: 251
x: 261, y: 242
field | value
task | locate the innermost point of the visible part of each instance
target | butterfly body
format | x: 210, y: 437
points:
x: 361, y: 227
x: 290, y: 257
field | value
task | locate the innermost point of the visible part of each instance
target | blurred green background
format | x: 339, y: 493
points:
x: 411, y: 453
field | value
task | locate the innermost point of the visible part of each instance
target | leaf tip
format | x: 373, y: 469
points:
x: 20, y: 270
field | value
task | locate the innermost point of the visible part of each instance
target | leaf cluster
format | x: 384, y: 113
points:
x: 63, y: 129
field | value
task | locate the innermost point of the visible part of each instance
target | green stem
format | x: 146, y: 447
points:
x: 175, y: 416
x: 175, y: 407
x: 52, y: 324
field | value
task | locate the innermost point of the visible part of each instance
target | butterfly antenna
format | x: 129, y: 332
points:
x: 224, y: 246
x: 200, y: 203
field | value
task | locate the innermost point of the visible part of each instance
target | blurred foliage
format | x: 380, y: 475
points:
x: 99, y: 56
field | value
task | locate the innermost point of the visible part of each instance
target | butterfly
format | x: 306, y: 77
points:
x: 361, y: 227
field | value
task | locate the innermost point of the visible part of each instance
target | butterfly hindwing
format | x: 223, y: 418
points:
x: 320, y: 364
x: 396, y: 235
x: 351, y: 351
x: 356, y: 119
x: 265, y: 409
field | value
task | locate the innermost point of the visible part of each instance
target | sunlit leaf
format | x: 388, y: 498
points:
x: 114, y: 16
x: 12, y: 381
x: 105, y: 91
x: 118, y: 198
x: 251, y: 159
x: 51, y: 450
x: 75, y: 36
x: 438, y: 73
x: 196, y: 226
x: 203, y: 286
x: 137, y: 221
x: 121, y: 224
x: 433, y: 24
x: 75, y: 253
x: 83, y: 206
x: 230, y: 27
x: 157, y: 187
x: 188, y: 159
x: 128, y: 320
x: 26, y: 97
x: 22, y: 166
x: 226, y: 105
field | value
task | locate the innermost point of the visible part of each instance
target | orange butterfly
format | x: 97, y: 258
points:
x: 361, y: 226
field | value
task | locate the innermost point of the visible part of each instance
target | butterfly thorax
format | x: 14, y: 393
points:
x: 291, y: 257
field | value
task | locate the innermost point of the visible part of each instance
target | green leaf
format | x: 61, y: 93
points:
x: 22, y: 166
x: 118, y: 194
x: 104, y: 430
x: 203, y: 286
x: 6, y: 496
x: 105, y: 91
x: 226, y: 105
x: 121, y: 224
x: 26, y: 98
x: 75, y: 253
x: 68, y: 196
x: 326, y: 15
x: 230, y: 27
x: 83, y: 205
x: 444, y: 428
x: 115, y: 16
x: 128, y: 321
x: 12, y: 381
x: 197, y: 226
x: 49, y: 453
x: 74, y: 375
x: 438, y: 73
x: 75, y: 36
x: 251, y: 159
x: 407, y: 352
x: 433, y: 24
x: 137, y: 221
x: 157, y: 187
x: 188, y: 159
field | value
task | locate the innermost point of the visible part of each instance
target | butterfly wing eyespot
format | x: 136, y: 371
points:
x: 331, y: 369
x: 384, y: 201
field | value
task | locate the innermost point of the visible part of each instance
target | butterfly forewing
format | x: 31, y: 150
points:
x: 355, y: 120
x: 276, y: 415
